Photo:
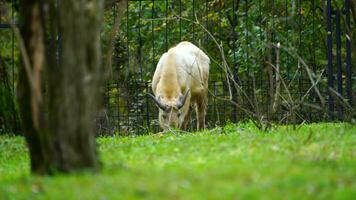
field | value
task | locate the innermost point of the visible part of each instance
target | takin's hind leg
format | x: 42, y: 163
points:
x: 201, y: 112
x: 186, y: 121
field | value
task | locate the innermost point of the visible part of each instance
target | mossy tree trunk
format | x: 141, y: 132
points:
x: 59, y: 95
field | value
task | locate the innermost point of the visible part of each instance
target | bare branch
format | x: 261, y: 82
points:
x: 120, y: 4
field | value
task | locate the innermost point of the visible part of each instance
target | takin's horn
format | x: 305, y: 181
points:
x: 158, y: 102
x: 182, y: 99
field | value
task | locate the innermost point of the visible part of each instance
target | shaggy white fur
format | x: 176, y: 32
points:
x: 184, y: 68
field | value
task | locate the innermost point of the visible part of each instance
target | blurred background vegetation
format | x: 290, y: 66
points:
x: 9, y: 61
x: 247, y: 32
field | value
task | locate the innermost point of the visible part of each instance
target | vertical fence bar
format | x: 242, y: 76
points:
x: 13, y: 46
x: 348, y: 53
x: 59, y: 40
x: 223, y: 108
x: 14, y: 117
x: 166, y: 30
x: 153, y: 41
x: 313, y: 35
x: 339, y: 62
x: 140, y: 39
x: 148, y: 122
x: 138, y: 84
x: 180, y: 20
x: 247, y: 32
x: 193, y: 19
x: 217, y: 119
x: 153, y: 38
x: 270, y: 59
x: 313, y: 94
x: 247, y: 47
x: 223, y: 84
x: 260, y: 53
x: 206, y: 21
x: 128, y: 68
x: 300, y: 78
x: 235, y: 66
x: 1, y: 2
x: 287, y: 37
x: 219, y: 8
x: 329, y: 57
x: 118, y: 126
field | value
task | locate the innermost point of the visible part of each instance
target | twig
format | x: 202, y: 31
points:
x: 278, y: 81
x: 25, y: 57
x: 113, y: 33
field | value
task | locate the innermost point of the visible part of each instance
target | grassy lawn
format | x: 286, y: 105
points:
x: 316, y: 161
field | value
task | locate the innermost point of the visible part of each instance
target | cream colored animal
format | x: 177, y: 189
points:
x: 180, y: 81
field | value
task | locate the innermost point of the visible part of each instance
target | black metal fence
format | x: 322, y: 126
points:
x: 309, y: 41
x: 313, y: 36
x: 9, y: 119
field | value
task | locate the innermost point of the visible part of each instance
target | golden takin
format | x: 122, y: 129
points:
x: 179, y: 83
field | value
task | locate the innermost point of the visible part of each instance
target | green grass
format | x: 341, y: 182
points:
x: 235, y: 162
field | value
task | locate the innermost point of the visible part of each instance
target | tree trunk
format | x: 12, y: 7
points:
x: 60, y: 130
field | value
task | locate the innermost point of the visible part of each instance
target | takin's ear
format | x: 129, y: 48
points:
x: 158, y: 102
x: 182, y: 99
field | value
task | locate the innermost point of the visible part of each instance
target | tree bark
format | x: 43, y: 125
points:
x: 32, y: 33
x: 60, y: 130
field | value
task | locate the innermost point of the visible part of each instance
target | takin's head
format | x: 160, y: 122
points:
x: 171, y: 114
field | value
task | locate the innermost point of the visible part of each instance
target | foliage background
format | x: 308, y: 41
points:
x: 247, y: 31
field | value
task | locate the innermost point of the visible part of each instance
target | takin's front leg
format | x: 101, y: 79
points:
x: 201, y: 111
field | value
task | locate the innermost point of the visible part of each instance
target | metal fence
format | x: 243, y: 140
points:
x: 248, y: 31
x: 9, y: 119
x: 313, y: 35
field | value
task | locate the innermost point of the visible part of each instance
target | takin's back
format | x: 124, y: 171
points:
x: 184, y: 65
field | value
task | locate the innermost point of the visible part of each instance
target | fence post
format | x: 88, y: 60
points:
x: 330, y: 58
x: 148, y: 123
x: 339, y: 63
x: 348, y: 53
